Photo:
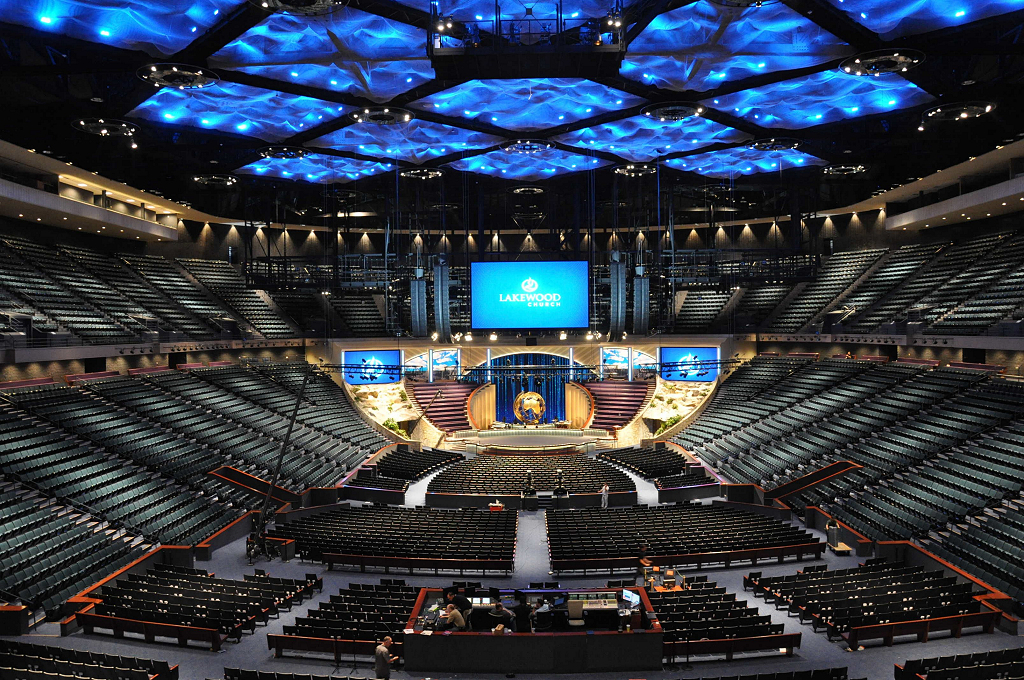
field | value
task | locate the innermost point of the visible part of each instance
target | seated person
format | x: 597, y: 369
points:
x: 463, y: 604
x: 524, y: 616
x: 453, y: 619
x: 502, y: 615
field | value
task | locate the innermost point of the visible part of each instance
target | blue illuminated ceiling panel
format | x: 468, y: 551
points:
x: 743, y: 161
x: 347, y: 51
x: 315, y: 168
x: 527, y: 103
x: 416, y: 141
x: 897, y: 19
x: 642, y: 138
x: 240, y: 109
x: 534, y: 166
x: 824, y: 97
x: 159, y: 27
x: 703, y: 45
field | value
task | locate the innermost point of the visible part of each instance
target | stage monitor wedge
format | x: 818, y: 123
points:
x: 530, y: 295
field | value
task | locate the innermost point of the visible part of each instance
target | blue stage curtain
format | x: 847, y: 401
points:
x: 545, y: 374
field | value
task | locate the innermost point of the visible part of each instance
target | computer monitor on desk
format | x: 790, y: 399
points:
x: 632, y: 598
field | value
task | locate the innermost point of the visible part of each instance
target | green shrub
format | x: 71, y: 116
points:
x: 668, y: 424
x: 393, y: 426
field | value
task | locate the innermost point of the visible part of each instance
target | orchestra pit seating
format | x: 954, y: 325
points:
x: 616, y: 402
x: 876, y: 593
x: 676, y: 534
x: 950, y: 262
x: 647, y: 461
x: 406, y: 463
x: 360, y: 314
x: 992, y: 548
x: 49, y: 552
x: 448, y: 412
x: 841, y: 270
x: 998, y: 663
x: 417, y: 538
x: 215, y: 609
x: 64, y: 466
x: 489, y: 473
x: 897, y: 268
x: 363, y: 611
x: 816, y: 674
x: 757, y: 304
x: 704, y: 611
x: 28, y: 661
x: 225, y: 282
x: 700, y: 307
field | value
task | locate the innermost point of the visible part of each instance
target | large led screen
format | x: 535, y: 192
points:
x: 529, y: 295
x: 689, y: 364
x: 373, y: 366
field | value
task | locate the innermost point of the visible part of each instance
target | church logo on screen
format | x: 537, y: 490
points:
x: 529, y: 286
x: 530, y: 295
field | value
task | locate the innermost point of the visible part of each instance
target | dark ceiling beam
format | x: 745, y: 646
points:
x: 231, y: 27
x: 595, y: 153
x: 394, y: 11
x: 593, y: 121
x: 459, y: 155
x: 351, y: 155
x: 470, y: 124
x: 428, y: 88
x: 763, y: 79
x: 639, y: 16
x: 289, y: 87
x: 838, y: 23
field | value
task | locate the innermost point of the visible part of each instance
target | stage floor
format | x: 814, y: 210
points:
x: 532, y: 439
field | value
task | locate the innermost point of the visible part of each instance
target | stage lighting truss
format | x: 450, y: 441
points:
x: 672, y: 112
x: 635, y: 169
x: 774, y: 144
x: 105, y: 127
x: 178, y: 76
x: 877, y: 62
x: 421, y: 173
x: 301, y: 7
x: 527, y: 146
x: 283, y: 152
x: 528, y: 190
x: 844, y: 170
x: 217, y: 181
x: 383, y: 115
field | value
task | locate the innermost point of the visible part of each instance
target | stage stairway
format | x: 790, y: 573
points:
x: 449, y: 412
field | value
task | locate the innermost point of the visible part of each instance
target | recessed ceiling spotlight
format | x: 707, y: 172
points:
x: 105, y: 127
x: 304, y: 7
x: 178, y: 76
x: 382, y: 115
x: 421, y: 173
x: 215, y: 180
x: 527, y: 146
x: 670, y: 112
x: 774, y: 144
x: 877, y: 62
x: 635, y: 169
x: 283, y: 151
x: 845, y: 169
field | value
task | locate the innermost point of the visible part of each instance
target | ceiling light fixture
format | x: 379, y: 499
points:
x: 636, y: 169
x: 774, y: 144
x: 303, y: 7
x: 528, y: 190
x: 219, y: 181
x: 842, y: 170
x: 672, y: 111
x: 877, y: 62
x: 178, y: 76
x: 421, y: 173
x: 283, y: 151
x: 105, y: 127
x: 956, y: 111
x: 382, y: 115
x: 527, y: 146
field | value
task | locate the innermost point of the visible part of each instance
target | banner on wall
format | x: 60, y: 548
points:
x: 367, y: 367
x: 689, y: 364
x: 530, y: 295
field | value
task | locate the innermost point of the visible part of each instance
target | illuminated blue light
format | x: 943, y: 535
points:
x: 698, y: 46
x: 269, y: 115
x: 416, y: 141
x: 541, y: 165
x: 642, y: 138
x: 314, y: 167
x: 743, y: 161
x: 348, y: 51
x: 894, y: 20
x: 528, y: 103
x: 158, y: 27
x: 823, y: 98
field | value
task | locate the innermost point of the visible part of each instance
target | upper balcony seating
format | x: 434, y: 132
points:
x: 118, y: 276
x: 360, y: 314
x: 757, y: 304
x: 647, y: 462
x: 986, y: 308
x: 488, y: 473
x: 225, y: 281
x: 70, y: 469
x: 595, y: 533
x: 19, y: 659
x: 839, y: 272
x: 616, y: 402
x: 50, y: 552
x: 700, y: 307
x: 457, y: 535
x: 305, y: 307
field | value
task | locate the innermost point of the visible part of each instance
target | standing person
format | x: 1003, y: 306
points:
x: 383, y: 659
x: 604, y: 494
x: 464, y: 606
x: 642, y: 561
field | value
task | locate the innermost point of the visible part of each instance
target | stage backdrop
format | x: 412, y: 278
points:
x: 548, y: 383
